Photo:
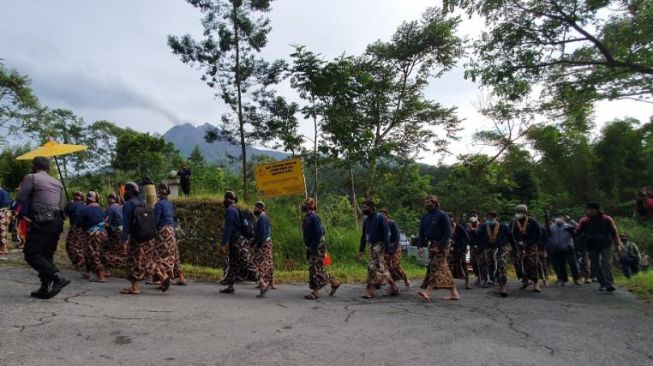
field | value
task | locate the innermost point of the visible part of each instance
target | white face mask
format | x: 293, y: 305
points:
x: 473, y: 219
x: 519, y: 216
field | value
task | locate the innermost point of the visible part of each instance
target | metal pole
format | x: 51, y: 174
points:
x: 56, y: 161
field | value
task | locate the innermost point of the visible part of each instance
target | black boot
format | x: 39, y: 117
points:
x: 43, y: 292
x: 58, y: 283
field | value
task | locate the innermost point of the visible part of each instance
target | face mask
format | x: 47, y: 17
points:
x: 226, y: 203
x: 473, y: 219
x: 491, y: 221
x: 304, y: 208
x: 519, y: 216
x: 257, y: 213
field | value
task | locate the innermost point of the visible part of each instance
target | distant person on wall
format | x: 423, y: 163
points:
x: 45, y: 197
x: 459, y: 249
x: 184, y: 174
x: 165, y: 249
x: 599, y: 233
x: 434, y: 234
x: 5, y: 219
x: 240, y: 264
x: 376, y: 234
x: 313, y: 231
x: 629, y: 257
x: 75, y: 239
x: 92, y: 220
x: 393, y: 259
x: 497, y: 241
x: 262, y: 244
x: 527, y: 234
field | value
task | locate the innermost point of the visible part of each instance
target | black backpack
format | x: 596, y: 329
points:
x: 247, y: 221
x: 143, y: 226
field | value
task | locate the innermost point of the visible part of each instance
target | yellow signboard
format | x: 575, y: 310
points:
x: 281, y: 178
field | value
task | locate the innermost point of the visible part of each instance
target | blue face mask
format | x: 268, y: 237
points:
x: 491, y: 222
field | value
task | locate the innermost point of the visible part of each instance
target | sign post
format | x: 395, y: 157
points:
x: 280, y: 179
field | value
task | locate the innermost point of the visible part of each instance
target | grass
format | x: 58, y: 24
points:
x: 641, y: 284
x: 344, y: 272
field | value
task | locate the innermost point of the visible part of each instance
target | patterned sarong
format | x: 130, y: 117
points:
x: 264, y: 263
x: 439, y: 273
x: 318, y: 276
x: 377, y: 272
x: 240, y: 264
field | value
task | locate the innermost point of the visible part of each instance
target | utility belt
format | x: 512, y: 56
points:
x: 44, y: 213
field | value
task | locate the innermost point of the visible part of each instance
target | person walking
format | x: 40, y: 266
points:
x: 139, y: 232
x: 497, y: 240
x: 393, y: 259
x: 75, y: 238
x: 114, y: 251
x: 434, y: 234
x: 560, y: 245
x: 630, y: 257
x: 240, y: 264
x: 262, y: 244
x: 46, y: 202
x: 599, y: 233
x: 459, y: 249
x: 476, y: 250
x: 527, y: 234
x: 93, y: 222
x: 376, y: 234
x: 5, y: 220
x: 315, y: 244
x: 166, y: 251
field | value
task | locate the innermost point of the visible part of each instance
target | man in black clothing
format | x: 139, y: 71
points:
x: 46, y: 200
x: 184, y: 174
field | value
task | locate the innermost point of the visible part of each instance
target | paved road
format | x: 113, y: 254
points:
x: 91, y: 324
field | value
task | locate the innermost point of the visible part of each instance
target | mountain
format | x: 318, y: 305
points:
x: 186, y: 136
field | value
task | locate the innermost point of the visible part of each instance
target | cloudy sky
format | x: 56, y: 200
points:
x: 109, y: 59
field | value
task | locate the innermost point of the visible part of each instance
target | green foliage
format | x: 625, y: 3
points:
x: 12, y: 171
x: 144, y: 155
x: 592, y: 49
x: 17, y: 102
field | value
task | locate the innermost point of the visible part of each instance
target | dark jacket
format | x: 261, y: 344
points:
x: 434, y: 226
x: 128, y: 216
x: 92, y: 217
x: 73, y: 211
x: 263, y: 231
x: 460, y: 239
x: 504, y: 236
x: 394, y: 235
x: 313, y: 232
x: 597, y: 232
x: 531, y: 237
x: 164, y: 213
x: 231, y: 225
x: 375, y: 229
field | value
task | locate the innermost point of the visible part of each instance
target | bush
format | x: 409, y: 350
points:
x: 200, y: 224
x: 641, y: 233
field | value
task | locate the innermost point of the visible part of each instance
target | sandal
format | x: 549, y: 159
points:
x: 227, y: 291
x: 181, y: 283
x: 128, y: 291
x: 334, y: 288
x: 423, y: 296
x: 311, y: 297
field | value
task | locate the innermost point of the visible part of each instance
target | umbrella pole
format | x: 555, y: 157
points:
x: 56, y: 161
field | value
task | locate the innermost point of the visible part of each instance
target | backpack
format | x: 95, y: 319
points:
x: 247, y: 221
x: 143, y: 223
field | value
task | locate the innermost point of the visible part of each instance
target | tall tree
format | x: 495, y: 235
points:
x: 145, y: 155
x: 388, y: 90
x: 594, y: 49
x: 235, y: 31
x: 17, y: 101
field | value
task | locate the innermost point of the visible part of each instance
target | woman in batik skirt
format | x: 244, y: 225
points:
x: 393, y: 261
x: 262, y: 245
x: 318, y: 276
x: 166, y: 249
x: 458, y: 254
x: 76, y: 238
x: 141, y: 260
x: 115, y: 251
x: 93, y: 223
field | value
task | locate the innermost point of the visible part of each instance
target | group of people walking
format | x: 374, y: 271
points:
x: 132, y: 236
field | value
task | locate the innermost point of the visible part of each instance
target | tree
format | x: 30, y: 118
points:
x: 592, y: 49
x: 17, y: 101
x: 12, y: 171
x: 196, y: 158
x: 387, y: 90
x: 234, y: 32
x: 275, y: 124
x: 145, y: 155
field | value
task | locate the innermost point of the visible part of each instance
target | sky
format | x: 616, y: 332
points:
x: 108, y: 60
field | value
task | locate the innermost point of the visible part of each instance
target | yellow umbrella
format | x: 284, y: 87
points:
x: 52, y: 149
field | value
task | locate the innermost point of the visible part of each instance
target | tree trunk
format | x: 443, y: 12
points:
x: 241, y: 122
x: 354, y: 201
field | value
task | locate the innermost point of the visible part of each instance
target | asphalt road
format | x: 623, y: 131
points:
x: 92, y: 324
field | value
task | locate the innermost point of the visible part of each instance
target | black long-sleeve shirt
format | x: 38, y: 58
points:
x: 460, y: 238
x: 313, y: 232
x: 434, y: 226
x: 375, y: 229
x: 503, y: 238
x: 532, y: 235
